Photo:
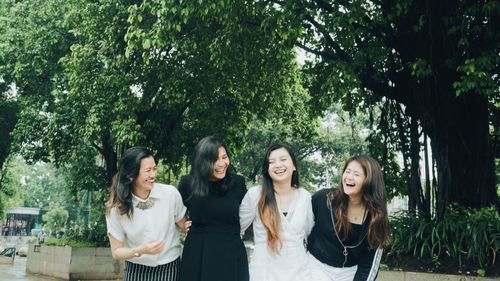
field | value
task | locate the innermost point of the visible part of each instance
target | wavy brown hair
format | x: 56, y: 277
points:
x: 374, y: 197
x: 267, y: 206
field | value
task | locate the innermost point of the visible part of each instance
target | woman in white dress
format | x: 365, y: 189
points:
x: 282, y: 219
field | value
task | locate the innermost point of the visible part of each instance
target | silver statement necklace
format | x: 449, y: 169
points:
x: 344, y: 252
x: 144, y: 205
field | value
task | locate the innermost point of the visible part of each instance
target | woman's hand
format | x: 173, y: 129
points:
x: 152, y: 247
x: 184, y: 224
x: 120, y: 252
x: 187, y: 225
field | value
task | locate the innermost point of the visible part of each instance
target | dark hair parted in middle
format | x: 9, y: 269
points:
x: 267, y: 206
x: 206, y: 152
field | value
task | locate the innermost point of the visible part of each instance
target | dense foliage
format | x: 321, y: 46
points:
x: 435, y: 64
x: 93, y: 78
x: 431, y: 68
x: 467, y: 235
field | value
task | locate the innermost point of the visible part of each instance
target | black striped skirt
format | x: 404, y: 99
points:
x: 139, y: 272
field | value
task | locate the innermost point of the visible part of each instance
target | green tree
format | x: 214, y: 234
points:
x: 321, y: 152
x: 439, y: 60
x: 8, y: 118
x: 8, y: 183
x: 212, y: 68
x: 41, y: 185
x: 56, y: 218
x: 31, y: 43
x: 101, y: 96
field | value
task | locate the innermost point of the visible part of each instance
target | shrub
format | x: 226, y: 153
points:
x: 471, y: 235
x: 68, y: 241
x: 92, y: 231
x: 56, y: 218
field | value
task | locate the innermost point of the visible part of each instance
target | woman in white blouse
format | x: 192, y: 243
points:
x: 143, y: 218
x: 282, y: 219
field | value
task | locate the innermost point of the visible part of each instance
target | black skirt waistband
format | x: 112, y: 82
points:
x: 214, y: 229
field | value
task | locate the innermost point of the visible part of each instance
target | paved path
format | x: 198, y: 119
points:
x: 17, y: 272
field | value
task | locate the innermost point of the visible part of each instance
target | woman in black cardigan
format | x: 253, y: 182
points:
x: 351, y: 224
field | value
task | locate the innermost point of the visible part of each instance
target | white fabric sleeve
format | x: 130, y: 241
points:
x: 309, y: 215
x: 114, y: 226
x: 248, y: 209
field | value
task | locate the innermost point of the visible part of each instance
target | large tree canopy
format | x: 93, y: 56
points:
x: 438, y: 59
x: 105, y: 75
x: 80, y: 87
x: 436, y: 62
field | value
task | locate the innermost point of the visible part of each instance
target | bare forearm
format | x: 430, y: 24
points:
x: 124, y: 253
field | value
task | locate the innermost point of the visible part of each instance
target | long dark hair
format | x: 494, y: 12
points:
x: 206, y: 152
x: 123, y: 182
x: 267, y: 206
x: 373, y: 195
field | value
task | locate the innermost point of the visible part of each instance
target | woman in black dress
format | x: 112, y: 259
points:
x: 213, y: 249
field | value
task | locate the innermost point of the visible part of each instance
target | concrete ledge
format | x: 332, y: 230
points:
x: 73, y: 264
x: 422, y: 276
x: 6, y: 260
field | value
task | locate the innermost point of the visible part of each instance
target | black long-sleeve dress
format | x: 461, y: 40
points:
x: 213, y: 249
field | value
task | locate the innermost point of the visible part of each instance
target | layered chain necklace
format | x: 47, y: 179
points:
x: 345, y: 252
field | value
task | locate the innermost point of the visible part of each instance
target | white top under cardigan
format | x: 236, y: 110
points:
x: 291, y: 262
x: 155, y: 223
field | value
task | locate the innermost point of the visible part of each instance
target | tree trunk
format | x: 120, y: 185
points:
x: 459, y: 133
x: 406, y: 152
x: 415, y: 193
x: 464, y: 155
x: 110, y: 158
x: 424, y: 51
x: 427, y: 197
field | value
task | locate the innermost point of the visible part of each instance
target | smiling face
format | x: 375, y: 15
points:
x: 146, y: 178
x: 281, y: 166
x: 353, y: 178
x: 220, y: 165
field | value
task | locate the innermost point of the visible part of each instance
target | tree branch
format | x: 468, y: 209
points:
x: 325, y: 6
x: 174, y: 122
x: 98, y: 148
x: 316, y: 52
x: 329, y: 40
